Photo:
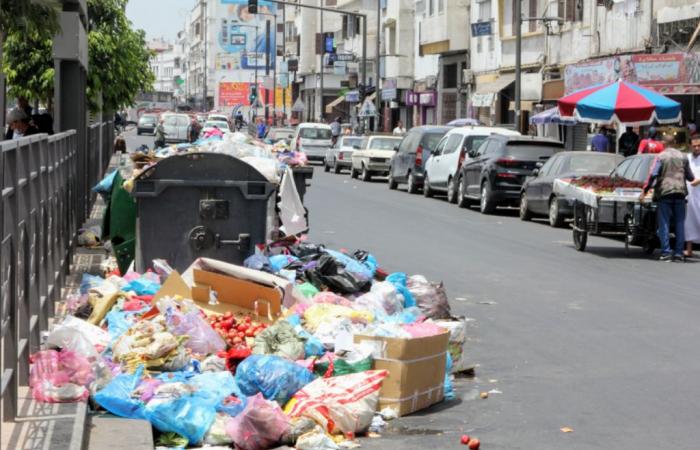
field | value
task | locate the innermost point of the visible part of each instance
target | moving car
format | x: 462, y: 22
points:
x: 373, y: 156
x: 219, y: 117
x: 408, y: 164
x: 495, y: 172
x: 339, y: 156
x: 176, y: 127
x: 442, y: 168
x: 314, y: 139
x: 221, y: 125
x: 147, y: 124
x: 538, y: 197
x: 280, y: 134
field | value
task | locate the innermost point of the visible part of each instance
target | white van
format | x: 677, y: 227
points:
x: 314, y: 139
x: 442, y: 168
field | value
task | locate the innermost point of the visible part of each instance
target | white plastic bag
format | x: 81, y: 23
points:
x: 79, y: 336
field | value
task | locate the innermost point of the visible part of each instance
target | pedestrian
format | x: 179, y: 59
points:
x: 692, y: 218
x: 651, y: 144
x: 239, y: 120
x: 399, y: 130
x: 600, y: 142
x: 23, y: 104
x: 19, y: 125
x: 693, y: 131
x: 335, y: 130
x: 628, y: 143
x: 668, y: 178
x: 194, y: 130
x: 261, y: 129
x: 160, y: 134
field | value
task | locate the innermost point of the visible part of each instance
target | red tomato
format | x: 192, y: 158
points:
x: 248, y: 319
x: 237, y: 340
x: 474, y: 444
x: 241, y: 334
x: 243, y: 327
x: 249, y: 333
x: 465, y: 439
x: 228, y: 315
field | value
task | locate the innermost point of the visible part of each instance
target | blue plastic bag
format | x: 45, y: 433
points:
x: 233, y: 409
x: 116, y: 396
x: 214, y: 387
x: 104, y: 187
x: 258, y: 262
x: 90, y: 281
x: 399, y: 280
x: 312, y: 345
x: 279, y: 262
x: 189, y: 416
x: 144, y: 285
x: 275, y: 377
x: 449, y: 389
x: 118, y: 322
x: 364, y: 271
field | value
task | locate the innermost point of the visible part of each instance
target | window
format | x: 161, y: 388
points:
x: 177, y: 63
x: 384, y: 143
x: 431, y: 9
x: 532, y: 12
x: 484, y: 11
x: 441, y: 6
x: 479, y: 40
x: 484, y: 147
x: 473, y: 142
x: 557, y: 167
x: 196, y: 28
x: 513, y: 19
x: 547, y: 168
x: 430, y: 140
x: 420, y: 7
x: 622, y: 167
x: 408, y: 142
x: 452, y: 144
x: 493, y: 148
x: 571, y: 10
x: 440, y: 146
x: 449, y: 79
x: 315, y: 133
x: 632, y: 168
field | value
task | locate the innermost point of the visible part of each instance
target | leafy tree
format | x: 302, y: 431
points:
x: 118, y: 59
x: 28, y: 15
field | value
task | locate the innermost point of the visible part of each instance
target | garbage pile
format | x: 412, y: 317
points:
x: 302, y: 346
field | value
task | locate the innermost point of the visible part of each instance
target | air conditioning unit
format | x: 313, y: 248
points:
x: 467, y: 76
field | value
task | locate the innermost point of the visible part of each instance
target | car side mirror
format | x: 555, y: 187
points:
x: 396, y: 148
x: 535, y: 172
x: 471, y: 153
x: 539, y: 164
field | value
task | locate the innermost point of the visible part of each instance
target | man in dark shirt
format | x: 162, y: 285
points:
x: 629, y: 141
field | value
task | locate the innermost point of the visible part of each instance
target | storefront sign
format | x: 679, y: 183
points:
x: 667, y: 73
x: 389, y: 94
x: 483, y: 100
x: 410, y: 98
x: 427, y: 99
x: 352, y: 96
x: 481, y: 29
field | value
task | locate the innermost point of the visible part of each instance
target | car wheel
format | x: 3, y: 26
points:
x: 462, y: 200
x: 412, y: 186
x: 486, y: 203
x: 365, y: 174
x: 555, y: 218
x: 451, y: 191
x: 326, y: 167
x: 353, y: 172
x: 138, y: 132
x: 525, y: 213
x: 392, y: 183
x: 427, y: 191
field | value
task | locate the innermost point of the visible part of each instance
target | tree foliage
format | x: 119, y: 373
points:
x: 118, y: 58
x: 29, y: 16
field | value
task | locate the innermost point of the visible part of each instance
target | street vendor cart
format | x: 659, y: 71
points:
x: 616, y: 213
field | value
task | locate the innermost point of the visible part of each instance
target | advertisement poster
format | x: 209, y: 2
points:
x: 658, y: 69
x: 241, y: 35
x: 236, y: 93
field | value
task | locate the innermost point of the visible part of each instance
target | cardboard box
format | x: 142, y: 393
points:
x: 238, y: 289
x: 416, y: 370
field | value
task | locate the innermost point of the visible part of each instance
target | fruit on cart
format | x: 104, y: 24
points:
x: 602, y: 184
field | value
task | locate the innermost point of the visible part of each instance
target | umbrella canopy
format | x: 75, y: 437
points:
x: 619, y: 102
x: 463, y: 122
x: 550, y: 115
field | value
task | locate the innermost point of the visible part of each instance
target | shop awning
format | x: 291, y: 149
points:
x: 334, y: 103
x: 485, y: 93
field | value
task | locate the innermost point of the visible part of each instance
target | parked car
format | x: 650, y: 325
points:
x: 280, y: 134
x: 314, y: 139
x: 176, y: 127
x: 442, y: 167
x: 408, y: 164
x: 538, y: 197
x: 201, y: 118
x: 339, y: 156
x: 373, y: 156
x: 219, y: 117
x: 147, y: 124
x: 495, y: 172
x: 221, y: 125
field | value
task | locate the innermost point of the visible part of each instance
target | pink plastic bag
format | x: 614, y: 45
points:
x: 57, y: 377
x: 259, y: 426
x: 333, y: 299
x: 202, y: 337
x: 423, y: 329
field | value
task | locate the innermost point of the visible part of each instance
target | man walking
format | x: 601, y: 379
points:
x: 692, y: 219
x: 335, y: 129
x: 600, y: 142
x: 629, y: 141
x: 160, y: 135
x: 668, y: 178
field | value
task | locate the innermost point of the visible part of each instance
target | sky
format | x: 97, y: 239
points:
x: 159, y: 18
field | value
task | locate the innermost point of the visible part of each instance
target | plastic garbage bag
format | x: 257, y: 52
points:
x: 399, y: 280
x: 147, y: 284
x: 334, y: 299
x: 276, y: 378
x: 279, y: 262
x: 423, y: 329
x: 312, y: 345
x: 57, y: 377
x: 104, y: 187
x: 431, y: 298
x: 280, y: 339
x: 347, y: 278
x: 297, y: 427
x: 382, y: 299
x: 79, y: 336
x: 190, y: 415
x: 116, y: 396
x: 217, y: 435
x: 338, y: 366
x: 316, y: 440
x: 259, y: 426
x: 308, y: 290
x: 341, y: 404
x: 232, y: 405
x: 258, y: 262
x: 458, y: 336
x: 90, y: 282
x: 364, y: 270
x: 202, y: 338
x: 449, y: 388
x: 317, y: 314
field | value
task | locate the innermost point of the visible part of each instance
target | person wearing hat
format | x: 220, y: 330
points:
x: 19, y: 125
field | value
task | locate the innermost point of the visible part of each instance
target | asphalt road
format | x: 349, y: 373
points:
x: 601, y: 343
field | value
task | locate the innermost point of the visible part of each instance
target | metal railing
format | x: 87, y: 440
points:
x: 45, y: 198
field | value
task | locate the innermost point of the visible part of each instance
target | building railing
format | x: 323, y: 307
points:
x: 46, y: 196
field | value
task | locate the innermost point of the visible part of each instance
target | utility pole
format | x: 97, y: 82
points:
x: 267, y: 67
x: 518, y: 68
x: 284, y: 58
x: 377, y: 97
x: 205, y: 68
x: 323, y: 53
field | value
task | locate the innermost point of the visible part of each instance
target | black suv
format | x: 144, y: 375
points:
x: 494, y: 173
x: 408, y: 164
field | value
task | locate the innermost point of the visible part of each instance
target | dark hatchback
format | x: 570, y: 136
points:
x: 408, y: 164
x: 538, y: 197
x: 495, y: 172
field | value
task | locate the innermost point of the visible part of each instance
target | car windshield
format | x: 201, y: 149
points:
x: 383, y: 143
x: 430, y: 140
x: 149, y: 119
x: 532, y: 150
x: 592, y: 163
x: 315, y: 133
x: 351, y: 142
x: 281, y: 134
x: 217, y: 123
x: 473, y: 142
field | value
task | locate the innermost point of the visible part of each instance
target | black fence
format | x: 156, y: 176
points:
x: 45, y: 198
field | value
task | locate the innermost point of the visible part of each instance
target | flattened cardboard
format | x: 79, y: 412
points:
x: 416, y: 370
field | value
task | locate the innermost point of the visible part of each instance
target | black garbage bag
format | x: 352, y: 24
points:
x: 329, y: 273
x: 307, y: 249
